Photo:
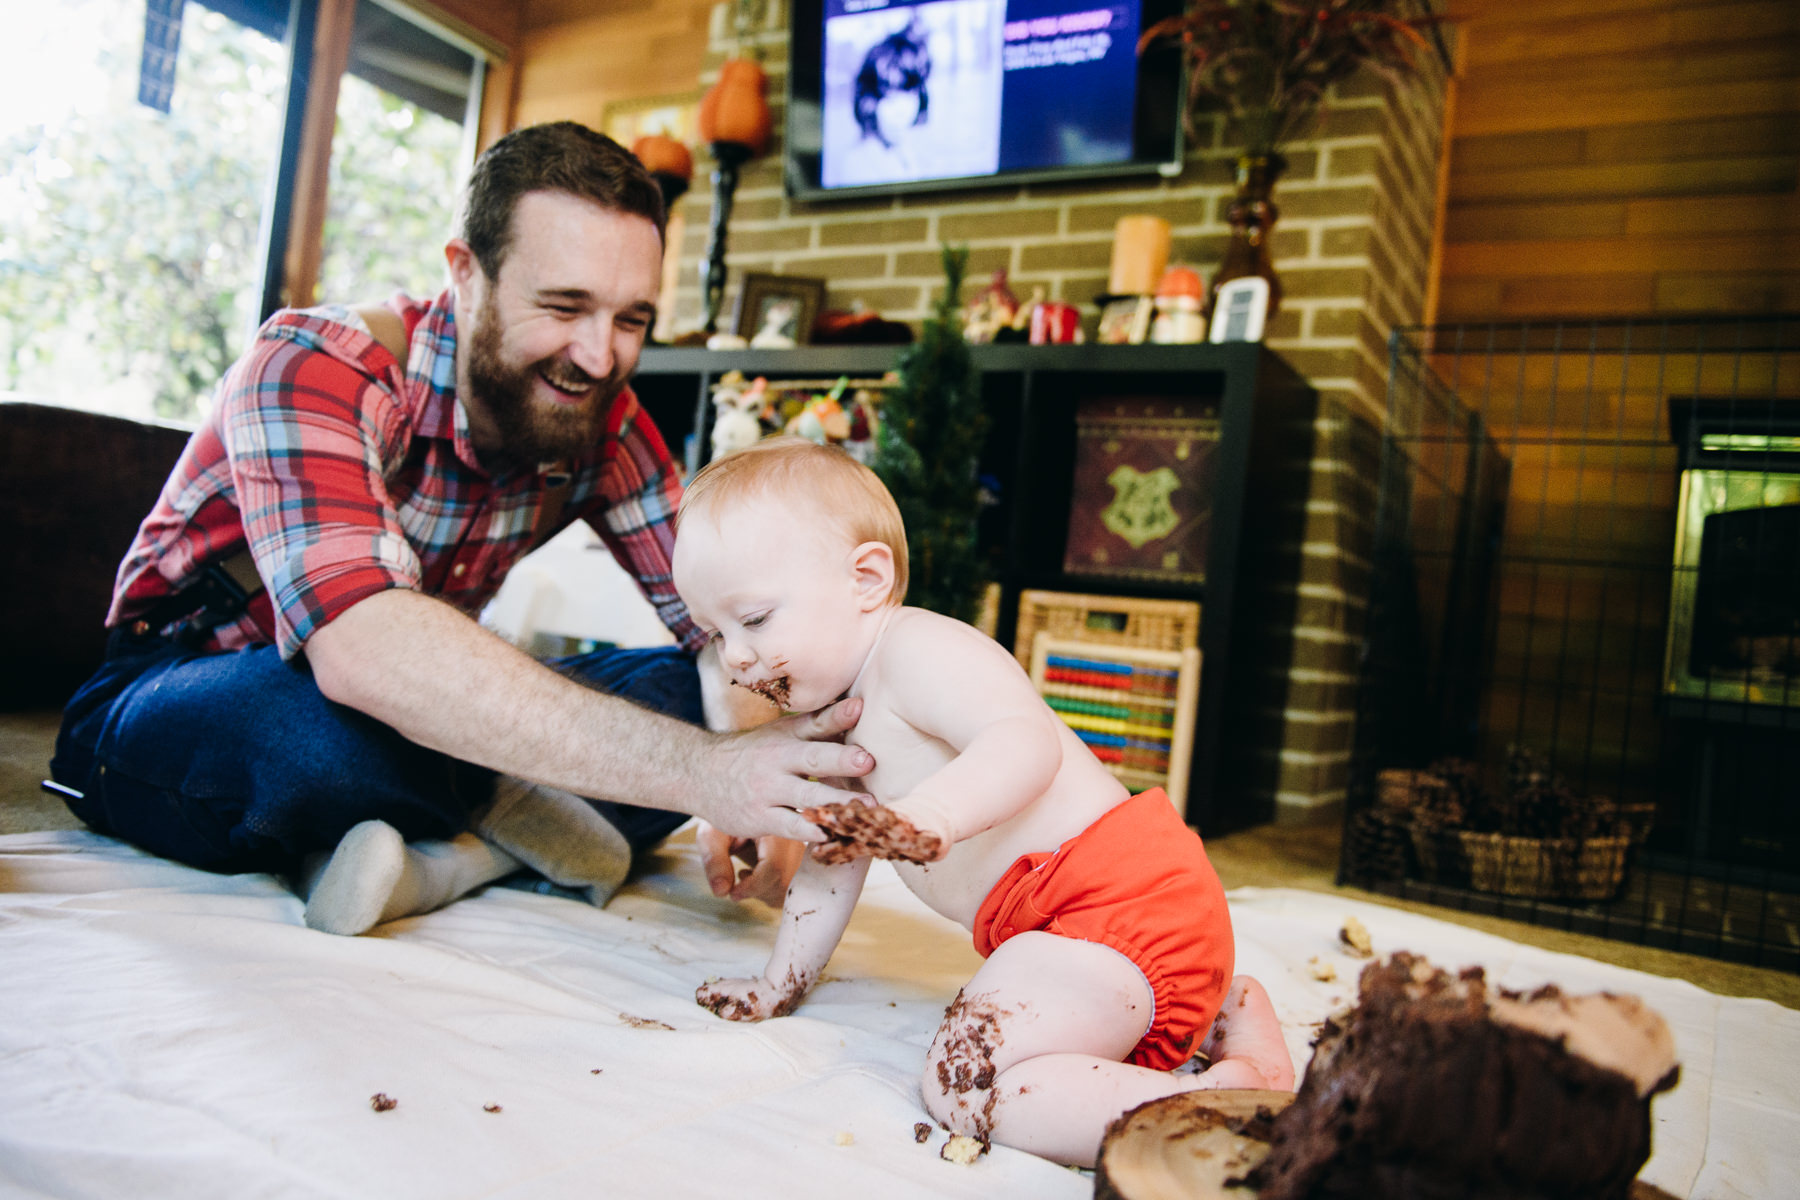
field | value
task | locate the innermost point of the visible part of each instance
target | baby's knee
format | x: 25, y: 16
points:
x: 954, y: 1095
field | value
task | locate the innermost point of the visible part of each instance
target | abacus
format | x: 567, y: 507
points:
x: 1133, y: 706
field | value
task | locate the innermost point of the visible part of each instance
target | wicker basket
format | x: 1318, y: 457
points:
x: 1439, y: 852
x: 1546, y: 868
x: 1378, y: 844
x: 1105, y: 620
x: 1405, y: 791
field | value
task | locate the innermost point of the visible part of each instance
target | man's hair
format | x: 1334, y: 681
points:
x: 815, y: 483
x: 562, y: 156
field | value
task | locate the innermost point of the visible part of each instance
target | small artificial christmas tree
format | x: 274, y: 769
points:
x: 927, y: 449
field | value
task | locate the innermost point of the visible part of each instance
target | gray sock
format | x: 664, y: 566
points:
x: 559, y: 835
x: 375, y: 876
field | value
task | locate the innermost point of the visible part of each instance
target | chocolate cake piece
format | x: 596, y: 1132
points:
x: 1435, y: 1086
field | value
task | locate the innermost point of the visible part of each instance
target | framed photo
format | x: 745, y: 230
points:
x: 776, y: 311
x: 625, y: 121
x: 1125, y: 320
x: 1240, y: 309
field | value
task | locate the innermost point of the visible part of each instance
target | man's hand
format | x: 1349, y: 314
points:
x: 770, y: 863
x: 753, y: 784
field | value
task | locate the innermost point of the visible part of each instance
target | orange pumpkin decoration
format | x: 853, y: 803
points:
x: 733, y: 109
x: 663, y: 155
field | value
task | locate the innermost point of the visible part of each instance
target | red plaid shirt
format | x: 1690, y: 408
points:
x: 347, y: 477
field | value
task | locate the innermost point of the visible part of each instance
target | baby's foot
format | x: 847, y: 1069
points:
x: 1245, y: 1045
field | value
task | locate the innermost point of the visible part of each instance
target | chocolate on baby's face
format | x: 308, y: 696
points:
x: 775, y: 691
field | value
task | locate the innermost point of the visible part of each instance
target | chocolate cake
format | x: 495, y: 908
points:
x: 1436, y: 1086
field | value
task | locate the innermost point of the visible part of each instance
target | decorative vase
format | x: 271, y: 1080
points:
x: 1252, y: 216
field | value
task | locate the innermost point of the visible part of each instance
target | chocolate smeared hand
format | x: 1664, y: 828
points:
x: 775, y: 691
x: 856, y: 830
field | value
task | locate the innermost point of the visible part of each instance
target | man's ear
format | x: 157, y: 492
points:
x: 873, y: 565
x: 465, y: 269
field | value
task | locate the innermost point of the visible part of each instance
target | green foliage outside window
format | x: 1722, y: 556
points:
x: 130, y: 241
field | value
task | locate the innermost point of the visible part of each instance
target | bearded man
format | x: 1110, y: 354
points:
x: 296, y: 680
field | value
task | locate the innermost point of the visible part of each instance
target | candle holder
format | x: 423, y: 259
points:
x: 729, y: 157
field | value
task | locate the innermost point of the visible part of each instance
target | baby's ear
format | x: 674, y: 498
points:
x: 873, y: 565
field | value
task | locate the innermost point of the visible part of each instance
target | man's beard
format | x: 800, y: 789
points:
x: 530, y: 430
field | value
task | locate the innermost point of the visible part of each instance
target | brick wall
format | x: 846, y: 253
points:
x: 1353, y: 245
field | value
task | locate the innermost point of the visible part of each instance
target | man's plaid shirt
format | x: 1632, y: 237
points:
x: 349, y: 478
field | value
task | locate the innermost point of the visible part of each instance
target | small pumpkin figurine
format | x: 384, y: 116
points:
x: 733, y: 109
x: 668, y: 161
x: 662, y: 154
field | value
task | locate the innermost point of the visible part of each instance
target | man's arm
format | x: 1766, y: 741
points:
x: 422, y: 667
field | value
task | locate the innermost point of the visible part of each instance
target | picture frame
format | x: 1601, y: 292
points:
x: 1125, y: 320
x: 677, y: 115
x: 776, y: 307
x: 1239, y: 310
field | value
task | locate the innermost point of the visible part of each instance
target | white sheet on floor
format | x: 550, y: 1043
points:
x: 165, y: 1032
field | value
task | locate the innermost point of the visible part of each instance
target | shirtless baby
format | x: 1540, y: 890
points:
x: 1109, y: 949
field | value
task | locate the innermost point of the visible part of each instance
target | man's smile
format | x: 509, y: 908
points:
x: 572, y: 387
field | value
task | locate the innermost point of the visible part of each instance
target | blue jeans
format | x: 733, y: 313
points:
x: 237, y: 762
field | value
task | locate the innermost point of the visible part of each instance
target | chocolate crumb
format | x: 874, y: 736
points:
x: 644, y: 1022
x: 490, y: 1108
x: 596, y: 1070
x: 921, y: 1132
x: 1355, y: 936
x: 381, y: 1102
x: 963, y: 1149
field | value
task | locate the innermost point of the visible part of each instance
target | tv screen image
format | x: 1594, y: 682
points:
x: 912, y: 91
x: 890, y: 95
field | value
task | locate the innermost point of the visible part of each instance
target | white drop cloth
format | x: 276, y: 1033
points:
x: 166, y: 1032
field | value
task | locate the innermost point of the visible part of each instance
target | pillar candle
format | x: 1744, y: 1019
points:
x: 1140, y: 252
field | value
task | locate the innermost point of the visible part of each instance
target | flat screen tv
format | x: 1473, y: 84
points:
x: 900, y: 96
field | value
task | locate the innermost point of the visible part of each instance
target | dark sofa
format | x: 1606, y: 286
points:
x: 73, y: 487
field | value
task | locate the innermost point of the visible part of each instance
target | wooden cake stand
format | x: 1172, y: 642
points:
x: 1187, y: 1147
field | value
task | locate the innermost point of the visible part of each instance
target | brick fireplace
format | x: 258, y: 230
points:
x: 1354, y: 245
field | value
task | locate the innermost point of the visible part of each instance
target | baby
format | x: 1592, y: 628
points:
x: 1108, y: 945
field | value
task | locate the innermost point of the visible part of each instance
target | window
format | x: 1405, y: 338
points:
x: 129, y: 239
x: 132, y: 241
x: 398, y: 158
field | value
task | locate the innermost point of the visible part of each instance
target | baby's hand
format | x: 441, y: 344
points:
x: 754, y: 999
x: 854, y: 830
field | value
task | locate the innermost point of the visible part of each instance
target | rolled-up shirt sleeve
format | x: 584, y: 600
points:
x: 308, y: 428
x: 640, y: 490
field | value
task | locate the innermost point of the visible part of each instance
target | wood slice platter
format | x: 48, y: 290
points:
x: 1186, y: 1146
x: 1190, y: 1146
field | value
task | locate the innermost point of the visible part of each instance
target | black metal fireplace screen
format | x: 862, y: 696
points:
x: 1580, y: 695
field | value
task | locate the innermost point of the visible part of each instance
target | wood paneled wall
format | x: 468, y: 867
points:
x: 1624, y: 157
x: 578, y: 56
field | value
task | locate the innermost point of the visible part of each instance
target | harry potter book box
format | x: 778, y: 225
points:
x: 1141, y: 504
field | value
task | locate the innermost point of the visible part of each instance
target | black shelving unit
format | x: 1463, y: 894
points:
x: 1265, y: 411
